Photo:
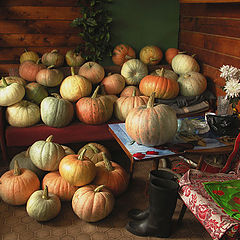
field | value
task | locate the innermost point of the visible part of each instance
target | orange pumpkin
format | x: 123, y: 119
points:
x: 128, y: 91
x: 17, y: 185
x: 122, y: 53
x: 151, y: 55
x: 111, y: 175
x: 164, y: 88
x: 113, y: 83
x: 170, y: 54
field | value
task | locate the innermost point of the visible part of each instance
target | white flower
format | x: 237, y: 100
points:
x: 232, y: 88
x: 229, y: 72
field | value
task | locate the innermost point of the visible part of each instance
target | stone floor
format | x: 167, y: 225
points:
x: 15, y: 224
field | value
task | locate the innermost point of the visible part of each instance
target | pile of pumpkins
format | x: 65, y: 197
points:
x: 48, y: 173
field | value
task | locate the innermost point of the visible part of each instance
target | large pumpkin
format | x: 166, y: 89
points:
x: 92, y: 203
x: 122, y: 53
x: 46, y: 154
x: 151, y: 55
x: 95, y: 109
x: 151, y: 125
x: 17, y: 185
x: 59, y: 186
x: 23, y: 114
x: 29, y: 55
x: 78, y: 170
x: 133, y: 71
x: 113, y: 83
x: 75, y: 87
x: 53, y: 58
x: 192, y: 84
x: 56, y: 111
x: 164, y: 88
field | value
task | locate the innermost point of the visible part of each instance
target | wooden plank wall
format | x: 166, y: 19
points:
x: 212, y: 32
x: 37, y: 25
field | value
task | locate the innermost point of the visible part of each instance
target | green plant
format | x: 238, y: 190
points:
x: 94, y: 23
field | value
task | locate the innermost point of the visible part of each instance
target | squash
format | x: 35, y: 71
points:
x: 43, y: 205
x: 94, y: 151
x: 95, y: 109
x: 75, y: 87
x: 124, y: 104
x: 50, y: 77
x: 122, y: 53
x: 111, y: 175
x: 29, y: 56
x: 35, y: 92
x: 113, y: 83
x: 53, y: 58
x: 164, y: 88
x: 192, y: 84
x: 167, y: 73
x: 17, y: 185
x: 11, y: 93
x: 151, y: 55
x: 92, y: 203
x: 46, y: 154
x: 183, y: 63
x: 170, y: 54
x: 128, y: 91
x: 74, y: 59
x: 56, y: 111
x: 78, y: 170
x: 59, y: 186
x: 151, y: 125
x: 92, y: 71
x: 133, y: 71
x: 13, y: 79
x: 23, y: 114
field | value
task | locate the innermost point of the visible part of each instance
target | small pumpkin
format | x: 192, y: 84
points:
x: 92, y: 203
x: 13, y: 79
x: 128, y: 91
x: 43, y: 205
x: 23, y: 114
x: 53, y: 58
x: 59, y: 186
x: 113, y: 83
x: 46, y: 155
x: 151, y: 55
x: 78, y: 170
x: 29, y: 55
x: 75, y: 87
x: 56, y: 111
x: 151, y: 125
x: 122, y: 53
x: 74, y: 59
x: 92, y: 71
x: 133, y: 71
x: 111, y: 175
x: 17, y: 185
x: 170, y: 54
x: 95, y: 109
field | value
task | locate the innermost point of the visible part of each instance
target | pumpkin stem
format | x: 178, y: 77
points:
x: 194, y: 55
x: 54, y: 51
x: 5, y: 84
x: 56, y: 95
x: 27, y: 152
x: 16, y: 169
x: 109, y: 74
x: 45, y: 193
x: 95, y: 149
x: 80, y: 157
x: 150, y: 102
x: 134, y: 92
x: 187, y: 75
x: 25, y: 50
x: 128, y: 57
x: 107, y: 163
x: 38, y: 61
x: 72, y: 71
x: 49, y: 139
x: 99, y: 188
x: 95, y: 92
x: 51, y: 66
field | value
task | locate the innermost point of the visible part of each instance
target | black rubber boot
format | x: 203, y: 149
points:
x: 138, y: 214
x: 162, y: 203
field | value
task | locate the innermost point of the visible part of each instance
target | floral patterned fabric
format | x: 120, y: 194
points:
x: 218, y: 224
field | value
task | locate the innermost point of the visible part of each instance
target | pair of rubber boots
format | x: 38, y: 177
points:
x: 156, y: 219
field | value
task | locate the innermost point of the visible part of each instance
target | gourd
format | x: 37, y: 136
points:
x: 75, y: 87
x: 92, y: 71
x: 46, y: 154
x: 122, y: 53
x: 113, y: 83
x: 170, y: 54
x: 59, y: 186
x: 74, y: 59
x: 92, y: 203
x: 53, y: 58
x: 78, y: 170
x: 164, y: 88
x: 183, y: 63
x: 13, y: 79
x: 128, y: 91
x: 35, y: 92
x: 56, y: 111
x: 43, y: 205
x: 167, y: 73
x: 133, y: 71
x: 23, y: 114
x: 50, y: 76
x: 17, y: 185
x: 151, y: 125
x: 192, y: 84
x: 94, y: 151
x: 11, y: 93
x: 111, y: 175
x: 124, y: 104
x: 95, y: 109
x: 29, y: 55
x: 151, y: 55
